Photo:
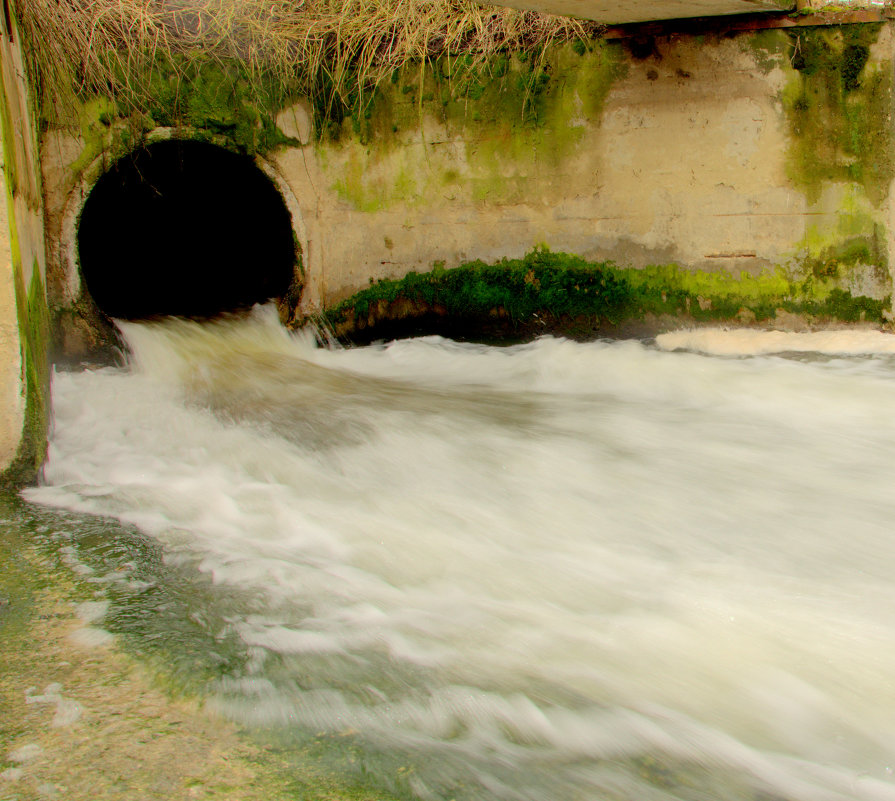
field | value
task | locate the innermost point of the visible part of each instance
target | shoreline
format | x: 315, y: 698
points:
x: 81, y: 719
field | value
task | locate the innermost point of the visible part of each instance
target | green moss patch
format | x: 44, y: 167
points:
x: 525, y: 88
x: 217, y: 99
x: 210, y: 100
x: 547, y: 292
x: 34, y: 335
x: 840, y: 259
x: 769, y: 48
x: 10, y: 170
x: 847, y: 250
x: 33, y: 323
x: 838, y: 106
x: 100, y: 132
x: 517, y: 115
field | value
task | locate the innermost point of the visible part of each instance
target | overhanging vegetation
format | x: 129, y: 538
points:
x: 329, y: 49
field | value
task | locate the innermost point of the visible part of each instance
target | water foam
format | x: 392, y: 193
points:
x: 540, y: 568
x: 754, y: 342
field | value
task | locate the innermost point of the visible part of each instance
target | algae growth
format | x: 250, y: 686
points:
x: 214, y: 98
x: 82, y: 719
x: 22, y: 181
x: 197, y: 98
x: 33, y: 324
x: 34, y: 336
x: 514, y: 117
x: 838, y: 107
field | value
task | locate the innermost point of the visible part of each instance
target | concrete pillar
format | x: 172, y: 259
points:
x: 24, y: 367
x: 12, y: 390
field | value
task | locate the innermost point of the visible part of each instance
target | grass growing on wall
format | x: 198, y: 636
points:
x: 547, y: 292
x: 334, y: 51
x: 216, y: 98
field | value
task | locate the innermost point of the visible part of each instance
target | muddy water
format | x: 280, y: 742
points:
x: 613, y: 570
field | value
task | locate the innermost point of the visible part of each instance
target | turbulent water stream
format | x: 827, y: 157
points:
x: 554, y: 571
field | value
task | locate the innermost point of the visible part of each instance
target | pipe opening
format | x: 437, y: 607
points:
x: 184, y: 228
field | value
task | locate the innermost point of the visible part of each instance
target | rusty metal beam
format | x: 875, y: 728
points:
x: 748, y: 22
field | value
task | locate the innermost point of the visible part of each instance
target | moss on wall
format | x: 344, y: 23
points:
x: 33, y: 324
x: 34, y: 335
x: 547, y: 292
x: 208, y: 99
x: 515, y: 117
x: 100, y: 132
x: 847, y: 250
x: 769, y: 48
x: 838, y: 106
x: 31, y: 302
x: 216, y: 99
x: 10, y: 171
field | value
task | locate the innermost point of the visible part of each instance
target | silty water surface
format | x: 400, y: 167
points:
x: 613, y: 570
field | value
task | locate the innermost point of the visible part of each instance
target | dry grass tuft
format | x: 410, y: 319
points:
x: 106, y: 47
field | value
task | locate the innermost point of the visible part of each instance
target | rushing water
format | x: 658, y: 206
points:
x: 554, y: 571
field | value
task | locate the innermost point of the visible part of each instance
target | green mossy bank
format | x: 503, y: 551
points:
x: 559, y: 293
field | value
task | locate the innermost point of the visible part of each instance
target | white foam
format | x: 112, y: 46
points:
x: 92, y: 637
x: 753, y: 342
x: 68, y: 711
x: 92, y: 611
x: 25, y: 753
x: 557, y: 554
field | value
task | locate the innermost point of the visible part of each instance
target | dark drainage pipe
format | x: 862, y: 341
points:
x: 184, y: 228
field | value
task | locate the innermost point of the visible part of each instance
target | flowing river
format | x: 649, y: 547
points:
x: 546, y: 572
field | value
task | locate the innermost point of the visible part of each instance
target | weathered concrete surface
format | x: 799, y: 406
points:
x: 24, y: 372
x: 614, y: 13
x: 688, y: 161
x: 12, y: 398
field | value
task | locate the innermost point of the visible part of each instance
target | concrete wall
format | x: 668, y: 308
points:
x: 24, y: 371
x: 12, y: 397
x: 688, y: 159
x: 732, y: 153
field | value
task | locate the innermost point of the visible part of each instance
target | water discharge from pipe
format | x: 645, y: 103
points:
x: 554, y: 570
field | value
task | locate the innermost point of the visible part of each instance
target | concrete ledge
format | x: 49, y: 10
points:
x: 614, y: 13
